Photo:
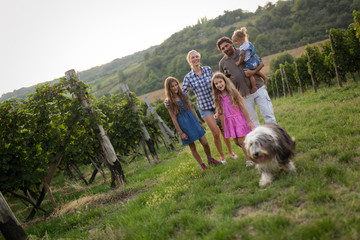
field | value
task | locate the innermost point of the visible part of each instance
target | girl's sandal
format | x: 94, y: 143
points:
x: 249, y: 163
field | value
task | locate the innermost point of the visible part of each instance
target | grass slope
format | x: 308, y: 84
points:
x: 175, y: 200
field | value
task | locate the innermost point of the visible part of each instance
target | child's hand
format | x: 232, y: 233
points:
x: 166, y: 102
x: 238, y: 63
x: 184, y: 136
x: 253, y: 90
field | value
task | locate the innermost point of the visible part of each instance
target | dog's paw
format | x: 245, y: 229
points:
x: 265, y: 179
x: 264, y: 183
x: 290, y: 167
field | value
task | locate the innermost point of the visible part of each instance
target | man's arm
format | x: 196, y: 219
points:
x: 221, y: 67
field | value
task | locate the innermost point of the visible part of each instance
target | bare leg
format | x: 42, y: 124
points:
x: 263, y: 76
x: 195, y: 153
x: 226, y: 140
x: 210, y: 121
x: 228, y: 144
x: 240, y: 142
x: 206, y: 146
x: 253, y: 84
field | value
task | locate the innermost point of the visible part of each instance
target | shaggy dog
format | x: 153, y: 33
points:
x: 271, y: 148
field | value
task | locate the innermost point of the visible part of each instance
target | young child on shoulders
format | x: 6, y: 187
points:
x: 236, y: 117
x: 185, y: 122
x: 247, y: 55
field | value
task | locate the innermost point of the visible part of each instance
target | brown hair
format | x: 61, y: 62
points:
x: 230, y: 88
x: 174, y: 105
x: 222, y: 40
x: 240, y: 34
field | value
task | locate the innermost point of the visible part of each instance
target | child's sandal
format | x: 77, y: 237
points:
x: 249, y: 163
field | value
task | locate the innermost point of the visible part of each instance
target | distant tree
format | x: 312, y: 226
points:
x: 121, y: 76
x: 252, y: 32
x: 146, y: 56
x: 296, y: 32
x: 282, y: 9
x: 355, y: 5
x: 263, y: 22
x: 280, y: 59
x: 262, y: 44
x: 356, y: 24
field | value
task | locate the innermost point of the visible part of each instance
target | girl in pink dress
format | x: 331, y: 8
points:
x: 236, y: 117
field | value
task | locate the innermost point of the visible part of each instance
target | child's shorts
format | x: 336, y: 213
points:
x: 252, y: 63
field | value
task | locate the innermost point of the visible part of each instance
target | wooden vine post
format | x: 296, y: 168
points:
x: 277, y: 88
x: 298, y: 78
x: 271, y: 83
x: 165, y: 130
x: 47, y: 180
x: 282, y: 79
x: 286, y: 80
x: 311, y: 72
x: 338, y: 75
x: 146, y: 136
x: 106, y: 149
x: 9, y: 225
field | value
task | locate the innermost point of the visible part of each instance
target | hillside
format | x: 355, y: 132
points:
x: 273, y: 28
x: 296, y: 52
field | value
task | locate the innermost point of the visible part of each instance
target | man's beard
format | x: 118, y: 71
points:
x: 230, y: 52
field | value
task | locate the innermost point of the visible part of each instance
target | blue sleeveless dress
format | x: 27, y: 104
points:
x: 189, y: 125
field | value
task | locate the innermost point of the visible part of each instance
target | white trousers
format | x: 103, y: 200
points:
x: 262, y: 99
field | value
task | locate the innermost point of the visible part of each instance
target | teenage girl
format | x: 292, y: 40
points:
x: 185, y: 122
x: 236, y: 117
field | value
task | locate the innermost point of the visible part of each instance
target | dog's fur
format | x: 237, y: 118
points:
x: 271, y: 148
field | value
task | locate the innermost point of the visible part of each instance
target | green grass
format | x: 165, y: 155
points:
x: 175, y: 200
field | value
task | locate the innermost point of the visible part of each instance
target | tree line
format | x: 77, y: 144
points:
x: 273, y: 28
x: 336, y: 57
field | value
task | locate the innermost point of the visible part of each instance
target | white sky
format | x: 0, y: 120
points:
x: 41, y: 39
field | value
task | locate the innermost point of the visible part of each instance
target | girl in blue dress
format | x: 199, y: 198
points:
x: 185, y: 122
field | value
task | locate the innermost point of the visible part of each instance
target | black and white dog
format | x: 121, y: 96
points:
x: 271, y: 148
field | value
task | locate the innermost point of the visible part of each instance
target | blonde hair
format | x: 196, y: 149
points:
x: 240, y: 34
x: 188, y: 56
x: 230, y: 88
x: 174, y: 105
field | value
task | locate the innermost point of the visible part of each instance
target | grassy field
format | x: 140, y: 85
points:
x: 176, y: 200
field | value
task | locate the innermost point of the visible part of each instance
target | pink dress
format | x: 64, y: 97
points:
x: 234, y: 119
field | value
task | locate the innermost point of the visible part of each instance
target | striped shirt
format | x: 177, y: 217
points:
x: 201, y: 86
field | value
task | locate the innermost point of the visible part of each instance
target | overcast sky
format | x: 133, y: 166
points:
x: 42, y: 39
